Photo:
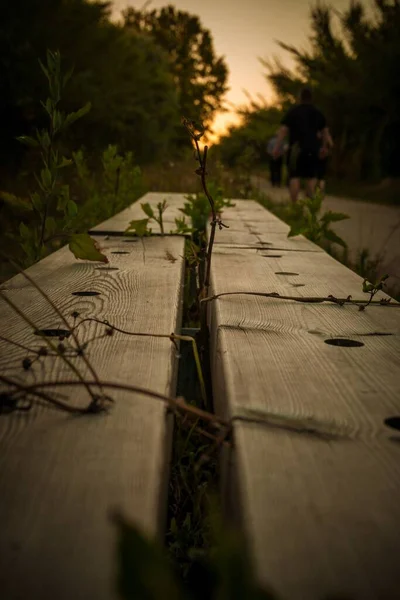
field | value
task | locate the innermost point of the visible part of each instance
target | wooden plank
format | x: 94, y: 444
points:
x: 251, y: 225
x: 120, y: 222
x: 314, y: 470
x: 60, y: 475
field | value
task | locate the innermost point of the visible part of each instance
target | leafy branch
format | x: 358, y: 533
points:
x: 52, y: 197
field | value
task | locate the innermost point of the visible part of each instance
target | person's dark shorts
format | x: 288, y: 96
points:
x: 302, y: 164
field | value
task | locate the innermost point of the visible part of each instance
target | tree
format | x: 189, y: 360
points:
x: 123, y: 73
x: 199, y: 75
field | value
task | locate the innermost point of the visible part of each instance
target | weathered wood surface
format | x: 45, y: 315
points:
x: 315, y: 473
x: 120, y: 222
x: 250, y: 227
x: 61, y: 474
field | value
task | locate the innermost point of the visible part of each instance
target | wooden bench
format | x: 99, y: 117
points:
x: 314, y: 474
x: 61, y: 474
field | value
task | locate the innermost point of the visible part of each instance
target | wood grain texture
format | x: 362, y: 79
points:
x: 251, y: 225
x: 120, y: 222
x: 61, y: 474
x: 315, y: 470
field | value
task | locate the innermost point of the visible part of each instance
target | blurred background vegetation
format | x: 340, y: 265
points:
x: 353, y: 67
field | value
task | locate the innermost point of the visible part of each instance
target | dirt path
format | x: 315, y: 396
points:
x: 372, y: 226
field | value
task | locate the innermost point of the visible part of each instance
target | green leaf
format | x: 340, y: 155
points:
x: 331, y: 236
x: 84, y: 247
x: 65, y: 162
x: 297, y: 229
x: 28, y: 141
x: 144, y: 571
x: 74, y: 116
x: 24, y: 231
x: 63, y: 198
x: 37, y: 202
x: 46, y: 178
x: 44, y: 139
x: 45, y: 71
x: 67, y: 77
x: 17, y: 205
x: 182, y: 227
x: 139, y: 227
x: 331, y: 217
x: 58, y: 121
x: 48, y: 106
x: 50, y: 226
x: 146, y: 208
x: 71, y: 209
x: 367, y: 287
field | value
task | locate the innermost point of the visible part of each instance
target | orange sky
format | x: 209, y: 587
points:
x: 243, y: 31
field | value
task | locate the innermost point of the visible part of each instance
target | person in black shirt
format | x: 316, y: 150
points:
x: 306, y: 127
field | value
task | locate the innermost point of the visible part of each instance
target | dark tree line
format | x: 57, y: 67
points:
x: 354, y: 72
x: 140, y: 75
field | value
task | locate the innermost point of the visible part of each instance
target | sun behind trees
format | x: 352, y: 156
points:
x: 199, y: 75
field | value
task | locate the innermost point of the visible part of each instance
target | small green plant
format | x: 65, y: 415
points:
x: 140, y: 226
x: 54, y: 212
x: 372, y: 289
x: 304, y: 219
x: 145, y: 572
x: 197, y: 207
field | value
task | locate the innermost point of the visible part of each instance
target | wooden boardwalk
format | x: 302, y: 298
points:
x: 314, y: 476
x: 61, y: 474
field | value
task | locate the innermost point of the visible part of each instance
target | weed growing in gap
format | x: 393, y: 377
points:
x: 303, y: 217
x: 55, y: 213
x: 144, y: 570
x: 197, y: 207
x: 140, y: 227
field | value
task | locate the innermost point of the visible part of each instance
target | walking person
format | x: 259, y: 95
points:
x: 306, y: 127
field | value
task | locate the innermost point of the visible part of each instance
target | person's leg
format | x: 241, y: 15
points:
x: 294, y: 189
x: 279, y: 164
x: 321, y: 170
x: 293, y: 178
x: 310, y: 187
x: 309, y: 170
x: 272, y: 171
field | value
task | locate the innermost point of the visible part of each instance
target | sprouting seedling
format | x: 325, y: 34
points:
x: 372, y: 289
x: 141, y: 226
